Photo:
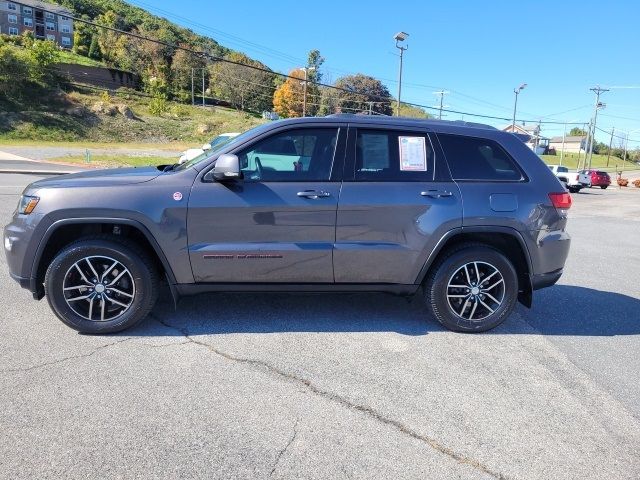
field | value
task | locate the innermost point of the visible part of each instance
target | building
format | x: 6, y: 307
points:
x: 572, y: 144
x: 536, y: 142
x: 47, y: 21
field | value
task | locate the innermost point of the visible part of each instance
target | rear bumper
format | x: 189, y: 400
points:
x: 544, y: 280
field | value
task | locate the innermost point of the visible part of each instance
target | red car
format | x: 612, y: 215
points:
x: 598, y: 178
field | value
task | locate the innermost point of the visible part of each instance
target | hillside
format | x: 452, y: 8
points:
x: 86, y: 115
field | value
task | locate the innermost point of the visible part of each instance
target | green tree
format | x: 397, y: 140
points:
x: 94, y: 48
x: 314, y: 76
x: 360, y: 92
x: 577, y: 132
x: 245, y: 88
x: 410, y: 111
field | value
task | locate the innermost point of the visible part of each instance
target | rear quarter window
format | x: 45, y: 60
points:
x: 471, y: 158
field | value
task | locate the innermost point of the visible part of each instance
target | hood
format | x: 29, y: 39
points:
x: 99, y: 178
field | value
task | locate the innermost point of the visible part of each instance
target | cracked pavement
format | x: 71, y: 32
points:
x: 333, y: 386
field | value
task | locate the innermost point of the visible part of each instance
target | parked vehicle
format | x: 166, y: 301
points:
x: 573, y: 181
x: 340, y: 203
x: 598, y: 178
x: 192, y: 153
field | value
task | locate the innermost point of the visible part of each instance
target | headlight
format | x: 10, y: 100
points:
x: 27, y: 204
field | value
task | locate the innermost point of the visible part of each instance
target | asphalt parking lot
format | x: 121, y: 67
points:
x: 337, y: 386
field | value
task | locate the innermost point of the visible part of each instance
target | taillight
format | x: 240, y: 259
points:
x: 561, y: 201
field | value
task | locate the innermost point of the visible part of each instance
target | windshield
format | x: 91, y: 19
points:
x: 215, y: 149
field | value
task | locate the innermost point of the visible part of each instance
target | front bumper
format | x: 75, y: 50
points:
x: 544, y: 280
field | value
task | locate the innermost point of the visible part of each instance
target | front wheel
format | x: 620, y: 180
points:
x: 603, y: 187
x: 101, y: 285
x: 473, y: 288
x: 574, y: 189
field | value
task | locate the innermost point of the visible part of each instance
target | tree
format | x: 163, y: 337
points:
x: 288, y: 97
x: 314, y: 76
x: 411, y: 111
x: 360, y: 92
x: 577, y: 132
x: 94, y: 48
x: 244, y: 87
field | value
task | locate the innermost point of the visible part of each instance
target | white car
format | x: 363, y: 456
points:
x: 572, y: 180
x: 192, y: 153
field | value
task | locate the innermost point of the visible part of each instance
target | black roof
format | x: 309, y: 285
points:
x: 451, y: 126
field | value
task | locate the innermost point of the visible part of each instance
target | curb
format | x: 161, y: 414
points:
x: 38, y: 172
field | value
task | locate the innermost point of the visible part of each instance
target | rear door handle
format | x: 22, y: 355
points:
x: 314, y: 194
x: 436, y: 193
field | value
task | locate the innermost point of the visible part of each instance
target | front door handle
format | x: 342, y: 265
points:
x: 314, y: 194
x: 436, y: 193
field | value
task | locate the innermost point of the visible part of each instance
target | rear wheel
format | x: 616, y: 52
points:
x: 574, y: 189
x: 101, y: 285
x: 603, y: 187
x: 473, y: 288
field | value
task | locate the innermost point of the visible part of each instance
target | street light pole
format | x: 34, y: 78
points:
x: 400, y: 37
x: 515, y: 106
x: 592, y: 130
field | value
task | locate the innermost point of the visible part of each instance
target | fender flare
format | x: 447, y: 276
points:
x: 82, y: 220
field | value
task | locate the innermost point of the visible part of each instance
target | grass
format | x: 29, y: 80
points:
x: 570, y: 160
x: 66, y: 56
x: 113, y: 161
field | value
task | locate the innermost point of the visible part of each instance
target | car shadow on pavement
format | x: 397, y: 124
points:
x: 580, y: 311
x: 222, y: 313
x: 590, y: 313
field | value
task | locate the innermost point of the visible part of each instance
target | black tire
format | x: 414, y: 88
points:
x: 437, y: 282
x: 574, y: 189
x: 604, y: 187
x: 142, y: 276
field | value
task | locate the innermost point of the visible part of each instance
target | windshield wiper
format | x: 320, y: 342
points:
x: 168, y: 168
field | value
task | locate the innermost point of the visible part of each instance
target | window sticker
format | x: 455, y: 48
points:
x: 413, y: 154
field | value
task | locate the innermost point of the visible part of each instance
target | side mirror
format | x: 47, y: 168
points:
x: 227, y: 168
x: 206, y: 146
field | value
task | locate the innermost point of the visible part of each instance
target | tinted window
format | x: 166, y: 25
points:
x: 478, y: 159
x: 291, y: 156
x: 393, y: 156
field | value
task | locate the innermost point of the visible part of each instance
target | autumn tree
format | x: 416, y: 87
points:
x: 244, y: 87
x: 288, y: 97
x: 361, y: 93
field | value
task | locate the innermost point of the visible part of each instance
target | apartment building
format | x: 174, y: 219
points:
x: 46, y: 20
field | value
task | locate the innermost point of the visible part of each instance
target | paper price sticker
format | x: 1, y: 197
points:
x: 413, y: 154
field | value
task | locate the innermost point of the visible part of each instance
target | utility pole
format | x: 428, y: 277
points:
x: 624, y: 156
x: 203, y: 87
x: 193, y: 98
x: 442, y: 93
x: 564, y: 136
x: 610, y: 145
x: 370, y: 108
x: 304, y: 97
x: 515, y: 106
x: 598, y: 91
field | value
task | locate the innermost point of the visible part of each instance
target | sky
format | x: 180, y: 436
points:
x: 478, y: 51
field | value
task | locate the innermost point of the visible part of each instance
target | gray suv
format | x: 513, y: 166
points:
x: 462, y: 214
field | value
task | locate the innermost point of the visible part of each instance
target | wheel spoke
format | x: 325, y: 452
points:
x: 464, y: 307
x: 475, y: 267
x: 106, y: 272
x: 102, y: 309
x: 93, y: 270
x: 466, y: 271
x: 116, y: 301
x: 487, y: 278
x: 84, y: 297
x: 82, y: 273
x: 120, y: 292
x: 90, y: 307
x: 473, y: 310
x: 457, y: 286
x: 485, y: 290
x: 66, y: 289
x: 492, y: 298
x: 113, y: 282
x: 487, y: 306
x: 458, y: 296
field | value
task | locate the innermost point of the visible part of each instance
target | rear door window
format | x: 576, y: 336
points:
x: 393, y: 156
x: 482, y: 159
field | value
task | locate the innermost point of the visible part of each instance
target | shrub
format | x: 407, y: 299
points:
x: 623, y: 182
x: 158, y: 106
x: 180, y: 111
x: 636, y: 183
